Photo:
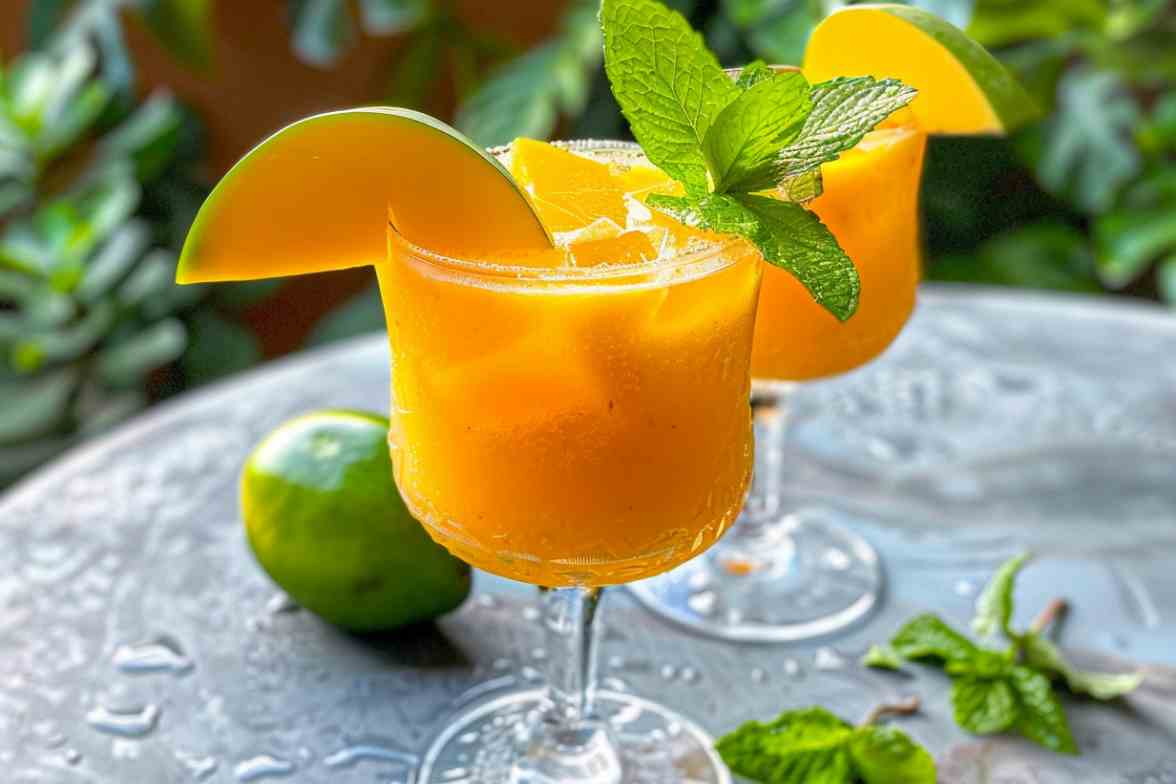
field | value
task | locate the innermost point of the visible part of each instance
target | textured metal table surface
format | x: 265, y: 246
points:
x: 139, y: 642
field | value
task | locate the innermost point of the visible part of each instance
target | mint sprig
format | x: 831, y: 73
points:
x: 668, y: 84
x: 726, y: 141
x: 813, y: 746
x: 1009, y: 689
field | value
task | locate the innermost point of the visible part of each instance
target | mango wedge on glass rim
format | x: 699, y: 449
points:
x: 318, y: 194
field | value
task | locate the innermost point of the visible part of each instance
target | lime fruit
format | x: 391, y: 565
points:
x: 326, y: 522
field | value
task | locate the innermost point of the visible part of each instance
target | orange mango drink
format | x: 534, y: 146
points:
x: 870, y: 203
x: 570, y: 423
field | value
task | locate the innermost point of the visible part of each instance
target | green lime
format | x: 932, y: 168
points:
x: 325, y: 521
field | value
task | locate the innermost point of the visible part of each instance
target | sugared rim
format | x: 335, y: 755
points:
x: 485, y: 268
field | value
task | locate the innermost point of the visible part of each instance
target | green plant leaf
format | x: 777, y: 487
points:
x: 35, y: 406
x: 883, y: 657
x: 42, y: 18
x: 184, y: 27
x: 844, y: 110
x: 523, y: 97
x: 778, y: 31
x: 1041, y: 654
x: 927, y: 636
x: 786, y: 235
x: 113, y: 261
x: 997, y: 23
x: 126, y: 363
x: 1086, y: 153
x: 754, y: 73
x: 1040, y: 717
x: 885, y: 755
x: 1166, y: 279
x: 360, y: 315
x: 149, y: 137
x: 994, y: 606
x: 793, y: 238
x: 742, y: 143
x: 983, y: 706
x: 149, y: 282
x: 1129, y: 240
x: 1045, y: 255
x: 387, y: 17
x: 217, y: 348
x: 323, y: 31
x: 668, y: 84
x: 805, y: 746
x: 417, y: 67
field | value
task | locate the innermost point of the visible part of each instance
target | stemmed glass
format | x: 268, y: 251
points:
x: 787, y: 573
x: 572, y: 428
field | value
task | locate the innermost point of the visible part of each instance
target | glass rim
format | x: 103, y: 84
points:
x: 483, y: 267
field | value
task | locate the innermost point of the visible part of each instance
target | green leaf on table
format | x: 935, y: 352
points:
x: 807, y: 746
x: 1086, y: 152
x: 1043, y: 655
x: 323, y: 30
x: 994, y: 606
x: 928, y: 637
x: 742, y: 144
x: 886, y: 755
x: 1040, y: 716
x: 184, y: 27
x: 883, y: 657
x: 983, y: 706
x: 843, y: 111
x: 668, y: 84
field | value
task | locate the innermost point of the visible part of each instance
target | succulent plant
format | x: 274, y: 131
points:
x: 88, y: 308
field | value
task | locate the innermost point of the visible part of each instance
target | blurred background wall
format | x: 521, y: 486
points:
x: 117, y: 115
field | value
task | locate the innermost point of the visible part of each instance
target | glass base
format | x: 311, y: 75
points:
x: 634, y: 741
x: 794, y: 577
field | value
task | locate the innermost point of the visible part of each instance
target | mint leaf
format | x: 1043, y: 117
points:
x: 1041, y: 654
x: 742, y: 143
x: 843, y: 111
x: 927, y: 636
x: 752, y: 73
x: 802, y: 188
x: 668, y: 84
x: 786, y: 235
x: 983, y: 664
x: 883, y: 657
x: 885, y: 755
x: 805, y: 746
x: 793, y: 238
x: 983, y: 705
x: 1041, y: 718
x: 994, y: 606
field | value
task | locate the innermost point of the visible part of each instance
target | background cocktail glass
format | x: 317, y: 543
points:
x: 785, y: 573
x: 572, y: 428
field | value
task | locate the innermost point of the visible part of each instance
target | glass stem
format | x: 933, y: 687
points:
x: 770, y: 405
x: 568, y: 623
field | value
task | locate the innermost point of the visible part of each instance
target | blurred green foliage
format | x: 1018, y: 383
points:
x: 96, y: 192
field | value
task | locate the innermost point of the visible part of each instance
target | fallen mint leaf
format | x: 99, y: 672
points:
x: 886, y: 755
x: 994, y: 606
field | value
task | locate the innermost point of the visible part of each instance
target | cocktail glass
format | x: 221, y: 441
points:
x: 572, y: 428
x: 785, y: 573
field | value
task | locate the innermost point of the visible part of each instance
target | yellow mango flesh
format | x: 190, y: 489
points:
x: 318, y: 196
x: 962, y: 89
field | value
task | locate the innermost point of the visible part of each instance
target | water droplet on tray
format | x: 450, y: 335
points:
x: 828, y: 659
x: 262, y: 766
x: 200, y: 766
x: 351, y: 755
x: 703, y: 602
x: 281, y: 603
x: 791, y: 668
x: 127, y: 723
x: 72, y: 756
x: 162, y: 654
x: 759, y: 675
